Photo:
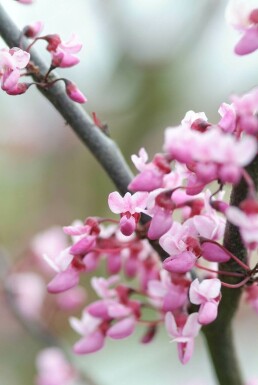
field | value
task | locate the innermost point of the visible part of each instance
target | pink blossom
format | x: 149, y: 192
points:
x: 183, y: 248
x: 92, y: 338
x: 64, y: 53
x: 165, y: 294
x: 228, y: 117
x: 242, y: 15
x: 206, y: 294
x: 29, y: 292
x: 53, y: 368
x: 197, y: 149
x: 151, y: 174
x: 129, y: 207
x: 11, y: 62
x: 183, y: 334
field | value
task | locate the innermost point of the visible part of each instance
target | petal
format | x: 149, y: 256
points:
x: 90, y: 344
x: 63, y: 281
x: 208, y: 312
x: 214, y: 252
x: 248, y: 43
x: 116, y: 202
x: 192, y: 326
x: 171, y: 325
x: 122, y: 329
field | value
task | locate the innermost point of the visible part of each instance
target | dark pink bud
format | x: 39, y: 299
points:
x: 74, y: 93
x: 149, y: 334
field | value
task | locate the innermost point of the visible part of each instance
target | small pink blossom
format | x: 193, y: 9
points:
x: 29, y: 292
x: 54, y: 369
x: 183, y: 334
x: 206, y: 294
x: 242, y: 15
x: 130, y: 207
x: 165, y: 294
x: 64, y: 53
x: 11, y: 62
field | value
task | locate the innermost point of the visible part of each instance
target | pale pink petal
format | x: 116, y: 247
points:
x: 63, y: 281
x: 181, y: 263
x: 90, y: 344
x: 116, y: 202
x: 248, y: 43
x: 192, y: 326
x: 208, y: 312
x: 171, y: 325
x: 185, y: 351
x: 122, y: 329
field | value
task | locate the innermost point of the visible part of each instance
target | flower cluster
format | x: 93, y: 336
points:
x: 171, y: 214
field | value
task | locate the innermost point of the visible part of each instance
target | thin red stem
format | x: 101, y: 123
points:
x: 237, y: 285
x: 220, y: 271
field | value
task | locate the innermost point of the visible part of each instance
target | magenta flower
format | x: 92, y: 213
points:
x: 74, y: 93
x: 206, y: 294
x: 64, y: 53
x: 183, y: 334
x: 130, y: 206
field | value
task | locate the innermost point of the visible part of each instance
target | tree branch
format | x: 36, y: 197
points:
x: 103, y: 148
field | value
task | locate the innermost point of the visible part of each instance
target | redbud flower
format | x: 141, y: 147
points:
x: 206, y: 294
x: 11, y: 62
x: 183, y: 334
x: 63, y: 52
x: 129, y: 207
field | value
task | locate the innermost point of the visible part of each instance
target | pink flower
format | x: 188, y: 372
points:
x: 29, y: 292
x: 25, y: 1
x: 165, y: 294
x: 242, y: 15
x: 64, y: 53
x: 11, y: 62
x: 151, y: 174
x: 129, y: 207
x: 183, y: 334
x: 53, y: 368
x: 92, y: 338
x: 206, y: 294
x: 183, y: 248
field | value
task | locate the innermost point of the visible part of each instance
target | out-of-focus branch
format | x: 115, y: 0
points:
x: 103, y: 148
x: 219, y: 333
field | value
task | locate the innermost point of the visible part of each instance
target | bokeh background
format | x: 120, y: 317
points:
x: 144, y: 64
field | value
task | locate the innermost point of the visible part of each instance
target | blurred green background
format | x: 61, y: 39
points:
x: 144, y: 64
